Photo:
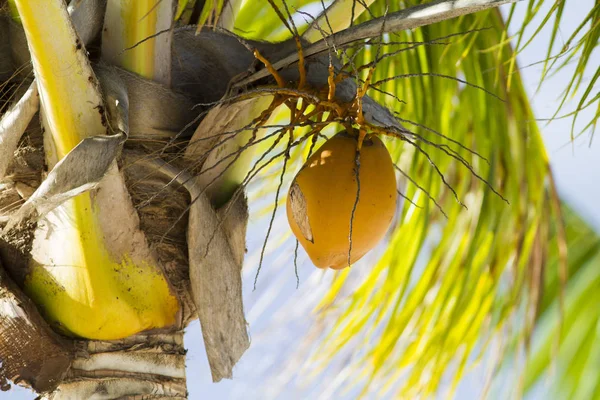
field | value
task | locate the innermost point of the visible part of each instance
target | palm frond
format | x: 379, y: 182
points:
x: 261, y: 22
x: 210, y: 12
x: 317, y: 16
x: 569, y: 368
x: 434, y: 309
x: 579, y: 46
x: 445, y: 286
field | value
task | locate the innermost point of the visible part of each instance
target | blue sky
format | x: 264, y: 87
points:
x: 276, y: 336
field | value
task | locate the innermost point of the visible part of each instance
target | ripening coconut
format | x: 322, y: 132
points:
x: 323, y: 195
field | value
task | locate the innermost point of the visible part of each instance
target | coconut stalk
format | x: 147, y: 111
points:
x: 409, y: 18
x: 137, y: 36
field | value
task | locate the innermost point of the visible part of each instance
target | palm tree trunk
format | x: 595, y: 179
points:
x: 150, y: 366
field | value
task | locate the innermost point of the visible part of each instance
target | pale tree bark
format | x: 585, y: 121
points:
x: 138, y: 367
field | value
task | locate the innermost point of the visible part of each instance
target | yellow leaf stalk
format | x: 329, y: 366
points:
x: 14, y: 14
x: 91, y: 270
x: 136, y: 37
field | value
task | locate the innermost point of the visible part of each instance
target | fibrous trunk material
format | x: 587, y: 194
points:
x: 138, y: 367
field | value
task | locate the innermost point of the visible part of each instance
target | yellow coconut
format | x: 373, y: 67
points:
x: 323, y: 195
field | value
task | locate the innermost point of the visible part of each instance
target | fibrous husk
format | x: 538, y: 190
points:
x: 14, y: 123
x: 216, y: 251
x: 300, y: 211
x: 133, y: 367
x: 162, y: 208
x: 216, y: 248
x: 217, y: 149
x: 31, y: 354
x: 216, y: 240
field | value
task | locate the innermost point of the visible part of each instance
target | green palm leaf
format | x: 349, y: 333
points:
x: 444, y: 287
x: 570, y: 370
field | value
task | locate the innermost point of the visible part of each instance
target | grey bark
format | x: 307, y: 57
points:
x: 148, y: 366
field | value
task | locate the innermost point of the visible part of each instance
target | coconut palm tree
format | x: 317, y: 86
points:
x: 123, y: 203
